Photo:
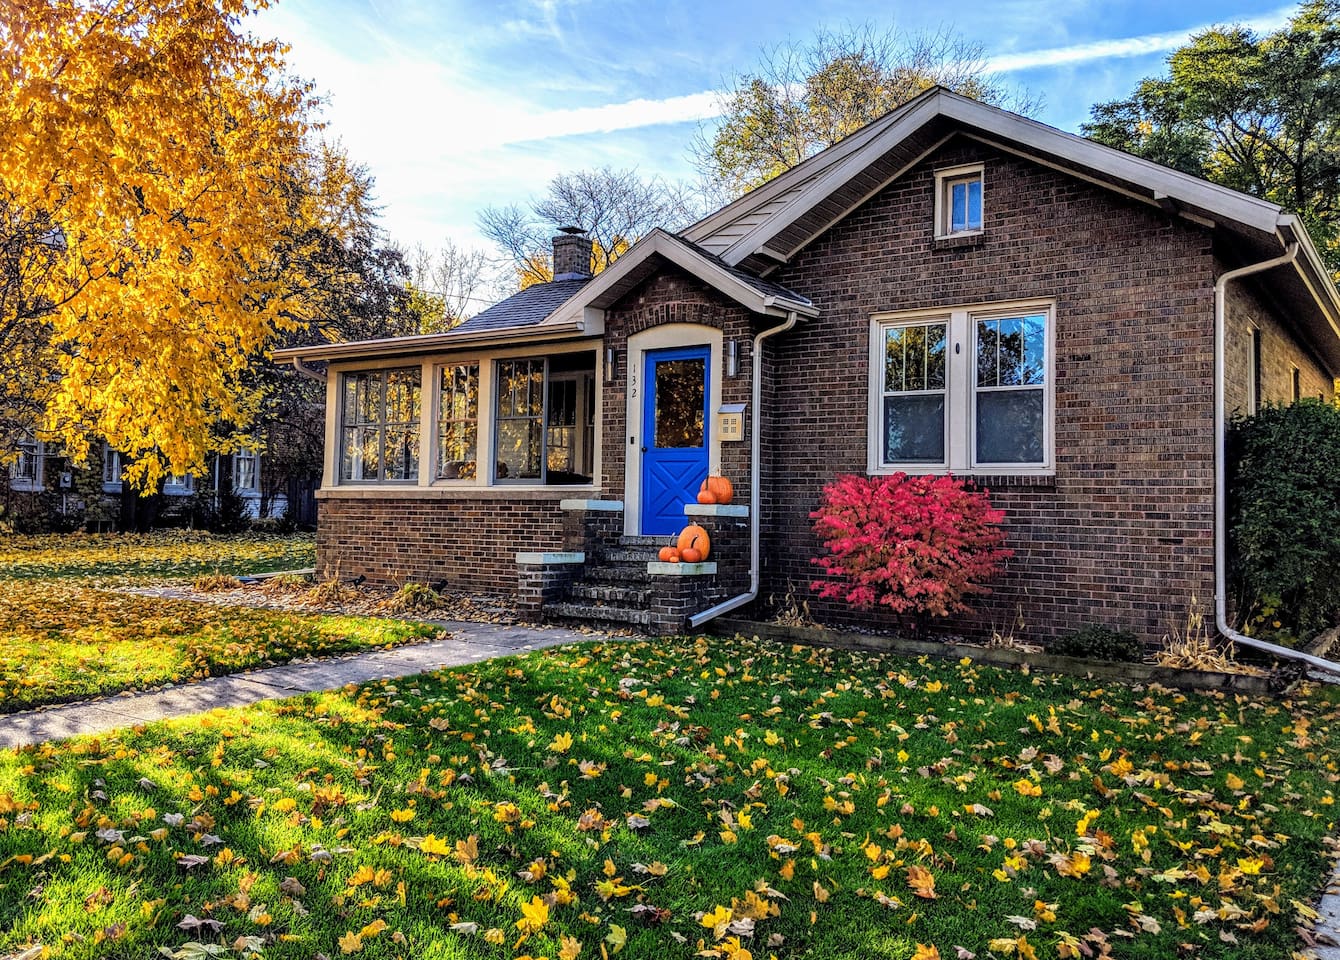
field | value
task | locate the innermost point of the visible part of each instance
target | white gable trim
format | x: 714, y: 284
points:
x: 606, y: 288
x: 1132, y: 173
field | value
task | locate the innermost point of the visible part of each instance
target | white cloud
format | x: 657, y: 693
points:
x: 1117, y: 48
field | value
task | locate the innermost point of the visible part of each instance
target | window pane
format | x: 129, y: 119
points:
x: 893, y: 359
x: 914, y: 429
x: 1010, y: 426
x: 402, y: 396
x: 402, y: 453
x: 914, y: 357
x: 974, y: 205
x: 988, y: 345
x: 458, y: 422
x: 519, y: 449
x: 1035, y: 349
x: 959, y: 217
x: 680, y: 386
x: 361, y: 456
x: 1011, y: 356
x: 935, y: 356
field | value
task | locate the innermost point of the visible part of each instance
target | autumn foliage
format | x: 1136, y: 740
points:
x: 148, y: 156
x: 916, y: 545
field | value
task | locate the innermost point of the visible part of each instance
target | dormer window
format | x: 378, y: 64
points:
x: 958, y: 201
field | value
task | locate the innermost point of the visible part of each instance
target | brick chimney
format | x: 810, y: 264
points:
x: 572, y: 254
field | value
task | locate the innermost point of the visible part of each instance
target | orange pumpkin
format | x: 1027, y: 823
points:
x: 667, y: 554
x: 706, y: 496
x: 692, y: 555
x: 674, y: 557
x: 696, y: 537
x: 720, y: 488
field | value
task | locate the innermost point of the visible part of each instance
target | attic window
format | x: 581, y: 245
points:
x: 958, y: 201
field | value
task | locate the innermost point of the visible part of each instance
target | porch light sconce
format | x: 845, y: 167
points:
x: 611, y: 364
x: 732, y: 358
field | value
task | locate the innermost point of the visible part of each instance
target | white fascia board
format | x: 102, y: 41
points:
x: 810, y: 167
x: 434, y: 342
x: 659, y: 243
x: 836, y: 175
x: 1033, y: 136
x: 1229, y: 204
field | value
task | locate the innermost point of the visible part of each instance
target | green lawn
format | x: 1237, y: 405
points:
x: 62, y: 638
x: 680, y: 798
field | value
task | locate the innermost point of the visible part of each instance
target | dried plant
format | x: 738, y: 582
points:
x: 330, y: 592
x: 1193, y: 647
x: 213, y: 582
x: 1010, y: 639
x: 413, y: 598
x: 790, y: 610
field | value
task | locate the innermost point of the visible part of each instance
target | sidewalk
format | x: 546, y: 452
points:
x: 468, y: 643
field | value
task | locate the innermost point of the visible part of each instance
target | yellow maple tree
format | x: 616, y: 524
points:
x: 150, y: 150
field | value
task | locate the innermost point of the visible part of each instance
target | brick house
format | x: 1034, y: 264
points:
x: 951, y: 288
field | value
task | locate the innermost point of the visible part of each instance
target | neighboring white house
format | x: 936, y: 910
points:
x: 31, y: 473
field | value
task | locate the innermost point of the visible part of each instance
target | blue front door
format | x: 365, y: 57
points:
x: 675, y: 419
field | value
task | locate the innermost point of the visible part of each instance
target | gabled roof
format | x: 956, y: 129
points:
x: 771, y: 224
x: 659, y: 247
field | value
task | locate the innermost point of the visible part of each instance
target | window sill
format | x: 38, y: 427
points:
x: 453, y: 492
x: 985, y: 478
x: 957, y: 241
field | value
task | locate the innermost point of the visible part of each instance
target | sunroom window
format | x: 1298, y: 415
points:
x: 379, y: 439
x: 458, y: 421
x: 544, y: 419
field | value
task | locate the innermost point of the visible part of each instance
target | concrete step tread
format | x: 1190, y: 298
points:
x: 636, y: 597
x: 593, y: 611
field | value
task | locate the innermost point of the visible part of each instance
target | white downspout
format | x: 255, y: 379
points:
x: 1221, y: 474
x: 755, y: 483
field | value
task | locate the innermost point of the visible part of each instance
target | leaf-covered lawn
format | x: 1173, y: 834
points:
x: 169, y: 554
x: 62, y: 638
x: 663, y: 799
x: 64, y: 642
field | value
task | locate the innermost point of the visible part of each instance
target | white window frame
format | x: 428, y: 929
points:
x: 960, y: 390
x: 111, y: 467
x: 20, y: 476
x: 944, y: 180
x: 255, y: 459
x: 178, y: 484
x: 878, y: 393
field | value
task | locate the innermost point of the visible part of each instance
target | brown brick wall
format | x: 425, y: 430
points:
x: 1122, y: 534
x: 674, y: 296
x: 470, y: 542
x: 1281, y: 351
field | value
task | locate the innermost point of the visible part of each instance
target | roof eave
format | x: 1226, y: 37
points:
x: 436, y: 342
x: 607, y: 288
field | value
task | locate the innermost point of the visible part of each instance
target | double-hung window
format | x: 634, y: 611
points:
x: 380, y: 425
x: 26, y: 471
x: 458, y: 421
x: 913, y: 405
x: 246, y: 473
x: 964, y: 390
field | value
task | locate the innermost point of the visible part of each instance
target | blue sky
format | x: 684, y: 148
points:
x: 457, y: 105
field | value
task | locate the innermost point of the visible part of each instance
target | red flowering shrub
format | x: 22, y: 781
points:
x: 917, y: 545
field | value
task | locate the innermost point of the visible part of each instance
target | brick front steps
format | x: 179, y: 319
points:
x: 604, y: 578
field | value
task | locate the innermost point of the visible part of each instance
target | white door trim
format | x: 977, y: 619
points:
x: 659, y: 338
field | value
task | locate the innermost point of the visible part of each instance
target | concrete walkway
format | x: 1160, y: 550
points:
x: 468, y: 643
